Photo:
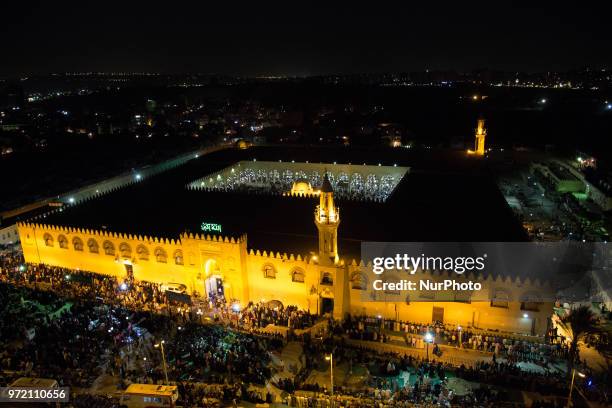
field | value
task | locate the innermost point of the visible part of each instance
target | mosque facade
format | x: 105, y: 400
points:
x: 321, y: 282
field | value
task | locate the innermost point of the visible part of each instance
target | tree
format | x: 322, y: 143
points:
x: 578, y: 324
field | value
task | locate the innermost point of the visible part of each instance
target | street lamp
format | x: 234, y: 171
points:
x: 161, y: 346
x: 569, y: 398
x: 428, y: 339
x: 330, y: 358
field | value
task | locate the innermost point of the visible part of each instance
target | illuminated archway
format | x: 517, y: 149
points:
x: 211, y: 267
x: 213, y: 281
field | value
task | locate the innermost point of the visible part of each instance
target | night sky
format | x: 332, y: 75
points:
x: 299, y: 38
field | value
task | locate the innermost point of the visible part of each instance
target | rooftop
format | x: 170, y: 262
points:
x: 359, y: 182
x: 151, y: 389
x: 443, y: 198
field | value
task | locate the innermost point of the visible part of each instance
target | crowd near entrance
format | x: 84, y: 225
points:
x: 214, y: 287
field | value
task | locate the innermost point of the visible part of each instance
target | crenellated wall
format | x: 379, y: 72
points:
x: 152, y: 258
x: 253, y: 275
x: 517, y: 306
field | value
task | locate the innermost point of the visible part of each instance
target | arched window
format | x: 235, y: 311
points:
x: 327, y: 278
x: 359, y: 281
x: 500, y: 298
x: 77, y: 244
x: 269, y: 271
x: 298, y: 275
x: 48, y: 240
x: 142, y: 252
x: 62, y: 241
x: 160, y: 255
x: 109, y: 248
x: 124, y: 250
x: 178, y: 257
x: 92, y: 244
x: 530, y: 301
x: 463, y: 296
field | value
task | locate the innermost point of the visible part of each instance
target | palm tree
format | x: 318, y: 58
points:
x: 578, y: 324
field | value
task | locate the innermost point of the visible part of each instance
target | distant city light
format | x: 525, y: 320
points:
x: 71, y: 200
x: 543, y: 100
x: 138, y: 176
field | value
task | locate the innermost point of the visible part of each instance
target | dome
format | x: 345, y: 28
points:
x: 301, y: 186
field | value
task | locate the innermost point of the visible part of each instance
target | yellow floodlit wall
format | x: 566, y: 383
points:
x: 250, y: 275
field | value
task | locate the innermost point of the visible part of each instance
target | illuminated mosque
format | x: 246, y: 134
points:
x: 212, y: 263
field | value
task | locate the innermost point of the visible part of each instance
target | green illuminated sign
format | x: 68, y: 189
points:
x: 210, y: 227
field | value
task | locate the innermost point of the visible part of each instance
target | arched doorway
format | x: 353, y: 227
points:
x: 213, y: 282
x: 327, y: 302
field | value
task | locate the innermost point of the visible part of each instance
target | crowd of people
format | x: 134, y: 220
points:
x: 514, y: 349
x: 431, y: 379
x: 128, y: 292
x: 384, y: 388
x: 74, y: 326
x: 48, y: 336
x: 261, y: 314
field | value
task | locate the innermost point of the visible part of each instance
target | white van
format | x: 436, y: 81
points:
x: 174, y: 287
x: 149, y: 396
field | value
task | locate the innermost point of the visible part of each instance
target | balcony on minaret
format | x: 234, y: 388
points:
x: 331, y: 216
